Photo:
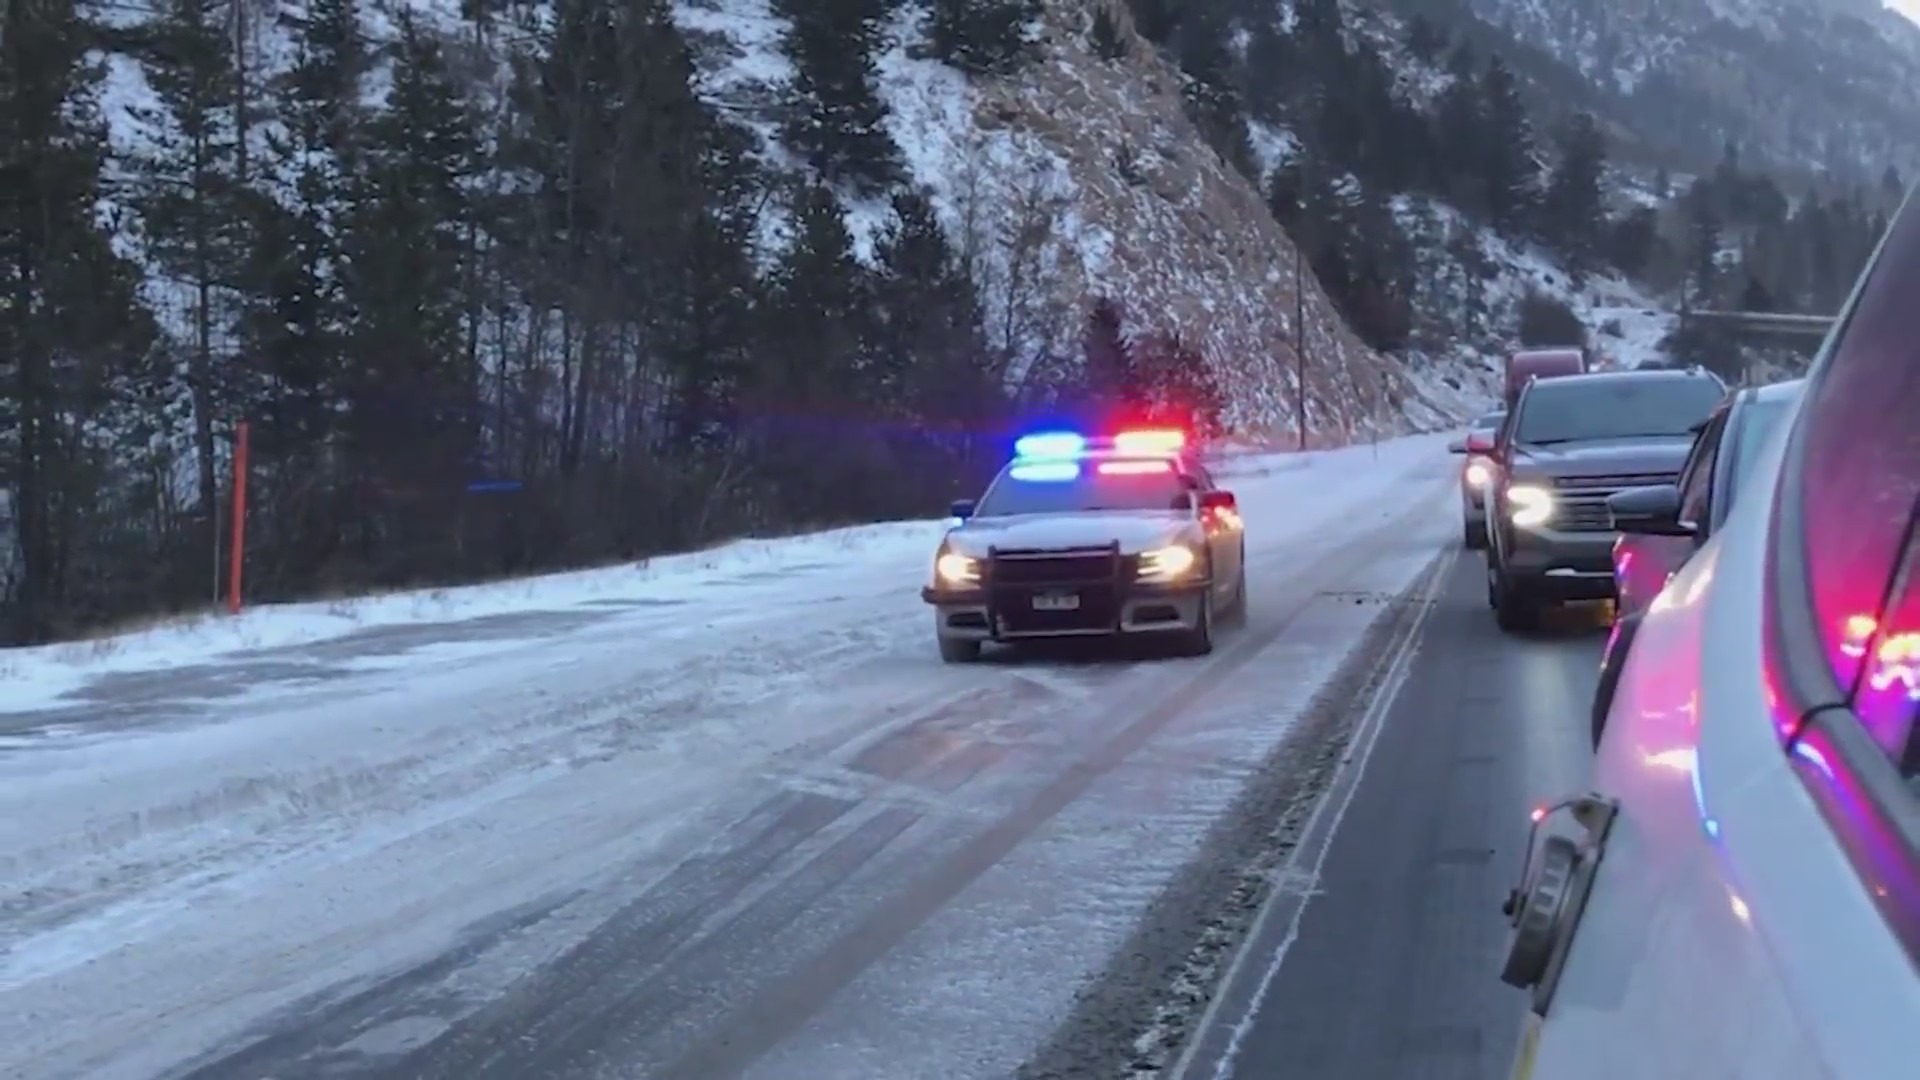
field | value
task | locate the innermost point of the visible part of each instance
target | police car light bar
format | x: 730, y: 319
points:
x: 1153, y: 441
x: 1050, y: 444
x: 1046, y: 472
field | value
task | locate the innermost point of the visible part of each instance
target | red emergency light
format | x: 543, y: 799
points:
x: 1134, y: 468
x: 1151, y: 441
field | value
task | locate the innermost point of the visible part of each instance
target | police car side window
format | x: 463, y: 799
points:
x: 1859, y: 462
x: 1886, y: 697
x: 1843, y: 585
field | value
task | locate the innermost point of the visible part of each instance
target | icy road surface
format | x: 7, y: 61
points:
x: 728, y: 816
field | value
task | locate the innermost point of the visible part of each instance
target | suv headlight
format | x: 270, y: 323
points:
x: 1529, y: 504
x: 1170, y: 563
x: 956, y: 571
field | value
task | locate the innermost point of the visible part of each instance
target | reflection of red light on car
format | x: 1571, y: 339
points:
x: 1895, y: 660
x: 1855, y: 633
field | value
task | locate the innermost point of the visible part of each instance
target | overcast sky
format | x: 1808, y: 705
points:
x: 1909, y: 8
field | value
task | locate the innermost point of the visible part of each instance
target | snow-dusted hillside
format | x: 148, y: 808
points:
x: 1831, y: 84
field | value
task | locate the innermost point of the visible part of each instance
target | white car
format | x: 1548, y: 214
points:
x: 1738, y: 893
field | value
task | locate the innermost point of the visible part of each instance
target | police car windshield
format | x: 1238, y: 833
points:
x: 1576, y: 410
x: 1047, y: 489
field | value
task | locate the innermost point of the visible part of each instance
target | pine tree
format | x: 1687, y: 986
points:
x: 841, y: 124
x: 1108, y: 40
x: 1573, y: 211
x: 1110, y: 372
x: 190, y: 198
x: 1510, y: 167
x: 1212, y: 94
x: 1156, y: 20
x: 72, y: 332
x: 1424, y: 40
x: 1705, y: 228
x: 981, y: 37
x: 408, y: 243
x: 930, y: 347
x: 1460, y: 132
x: 293, y: 328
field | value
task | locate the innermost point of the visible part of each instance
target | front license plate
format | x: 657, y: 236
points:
x: 1056, y: 602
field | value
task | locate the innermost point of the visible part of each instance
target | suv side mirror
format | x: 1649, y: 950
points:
x: 1219, y: 500
x: 1648, y: 511
x: 1478, y: 442
x: 1457, y: 446
x: 962, y: 509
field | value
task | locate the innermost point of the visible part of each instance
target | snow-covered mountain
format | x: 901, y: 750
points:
x: 1833, y: 85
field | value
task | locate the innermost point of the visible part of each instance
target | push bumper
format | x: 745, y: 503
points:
x: 1561, y: 566
x: 1133, y: 609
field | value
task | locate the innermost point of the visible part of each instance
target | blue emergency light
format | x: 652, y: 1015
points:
x: 1046, y: 472
x: 1050, y: 444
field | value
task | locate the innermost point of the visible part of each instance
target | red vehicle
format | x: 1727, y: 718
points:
x: 1529, y: 364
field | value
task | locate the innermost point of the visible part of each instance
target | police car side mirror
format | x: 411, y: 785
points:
x: 1219, y: 500
x: 962, y: 509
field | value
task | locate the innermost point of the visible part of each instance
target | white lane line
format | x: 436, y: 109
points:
x: 1300, y: 878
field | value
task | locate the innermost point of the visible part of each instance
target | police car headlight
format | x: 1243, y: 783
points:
x: 1529, y: 504
x: 1169, y: 563
x: 956, y: 571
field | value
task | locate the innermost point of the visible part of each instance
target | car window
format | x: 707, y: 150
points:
x: 1887, y: 693
x: 1758, y: 421
x: 1063, y: 487
x: 1841, y: 588
x: 1696, y: 480
x: 1612, y: 407
x: 1491, y: 421
x: 1860, y: 450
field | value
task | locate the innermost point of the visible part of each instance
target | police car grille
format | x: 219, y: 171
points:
x: 1090, y: 574
x: 1581, y: 501
x: 1064, y: 569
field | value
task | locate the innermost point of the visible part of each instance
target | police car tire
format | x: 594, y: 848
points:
x: 1199, y: 640
x: 959, y: 650
x: 1237, y: 614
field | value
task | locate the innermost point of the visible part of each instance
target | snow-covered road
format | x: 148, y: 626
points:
x: 725, y: 816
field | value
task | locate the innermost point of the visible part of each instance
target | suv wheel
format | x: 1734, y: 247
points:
x: 1513, y: 608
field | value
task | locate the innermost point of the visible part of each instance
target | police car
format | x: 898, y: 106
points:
x: 1081, y: 536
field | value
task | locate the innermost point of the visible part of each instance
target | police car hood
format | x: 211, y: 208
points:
x: 1136, y: 531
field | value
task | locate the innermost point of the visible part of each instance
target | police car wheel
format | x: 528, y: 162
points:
x: 1237, y: 613
x: 959, y: 650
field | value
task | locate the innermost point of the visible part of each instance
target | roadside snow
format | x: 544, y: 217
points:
x: 38, y: 677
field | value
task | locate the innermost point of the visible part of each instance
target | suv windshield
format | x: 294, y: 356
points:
x: 1576, y: 409
x: 1066, y: 487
